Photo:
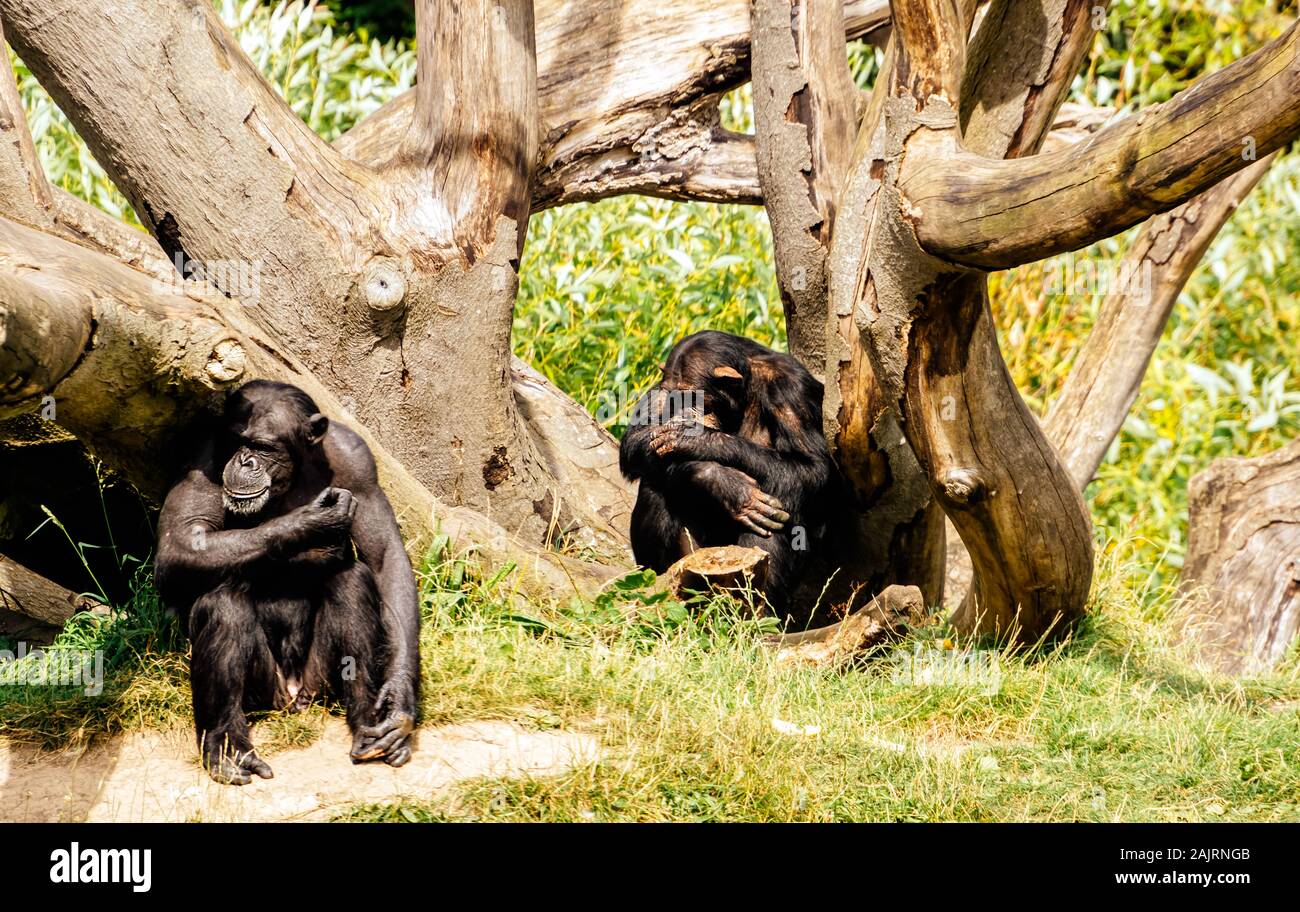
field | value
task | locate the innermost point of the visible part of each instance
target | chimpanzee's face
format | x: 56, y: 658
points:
x: 270, y: 441
x: 704, y: 379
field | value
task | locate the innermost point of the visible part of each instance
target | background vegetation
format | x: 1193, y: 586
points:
x: 698, y: 721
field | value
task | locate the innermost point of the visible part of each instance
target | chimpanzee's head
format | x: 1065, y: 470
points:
x: 272, y: 429
x: 710, y: 371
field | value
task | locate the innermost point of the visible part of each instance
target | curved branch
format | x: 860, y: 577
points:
x: 1101, y: 388
x: 990, y: 214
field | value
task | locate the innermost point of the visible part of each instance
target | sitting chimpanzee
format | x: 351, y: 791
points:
x: 729, y: 450
x: 256, y: 554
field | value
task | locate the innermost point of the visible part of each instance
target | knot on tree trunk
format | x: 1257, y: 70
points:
x: 383, y: 285
x: 963, y: 487
x: 227, y: 361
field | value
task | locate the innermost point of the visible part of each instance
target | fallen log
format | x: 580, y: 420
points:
x: 884, y: 619
x: 34, y: 609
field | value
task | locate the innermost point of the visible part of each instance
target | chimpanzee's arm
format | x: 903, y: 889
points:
x: 379, y: 542
x: 193, y: 548
x: 678, y: 440
x: 636, y: 458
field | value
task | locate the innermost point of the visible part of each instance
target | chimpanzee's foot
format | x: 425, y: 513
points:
x: 235, y: 768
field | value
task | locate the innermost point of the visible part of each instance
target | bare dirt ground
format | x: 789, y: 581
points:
x: 154, y: 776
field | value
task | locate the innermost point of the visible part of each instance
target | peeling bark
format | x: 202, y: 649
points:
x: 805, y: 118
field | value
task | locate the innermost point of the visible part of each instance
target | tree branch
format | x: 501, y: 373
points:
x: 805, y: 117
x: 931, y: 39
x: 990, y: 214
x: 627, y: 95
x: 1103, y: 384
x: 1021, y: 62
x: 472, y: 140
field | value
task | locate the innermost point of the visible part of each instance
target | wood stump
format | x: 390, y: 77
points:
x: 1242, y: 571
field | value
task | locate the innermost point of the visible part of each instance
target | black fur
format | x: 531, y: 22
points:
x: 729, y: 422
x: 283, y: 560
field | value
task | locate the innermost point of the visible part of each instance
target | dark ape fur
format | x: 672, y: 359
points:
x: 728, y: 449
x: 283, y: 559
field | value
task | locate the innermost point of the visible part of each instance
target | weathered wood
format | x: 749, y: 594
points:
x: 628, y: 93
x: 1241, y: 575
x: 934, y: 352
x: 1103, y: 384
x: 885, y: 618
x: 896, y: 536
x: 32, y: 595
x: 394, y: 285
x: 805, y: 120
x: 730, y: 570
x: 992, y: 214
x: 1022, y: 59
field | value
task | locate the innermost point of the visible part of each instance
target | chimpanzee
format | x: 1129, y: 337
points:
x: 728, y: 448
x: 283, y: 560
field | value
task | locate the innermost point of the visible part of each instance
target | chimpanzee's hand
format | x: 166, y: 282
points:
x: 330, y: 514
x: 676, y: 435
x: 389, y: 738
x: 748, y: 504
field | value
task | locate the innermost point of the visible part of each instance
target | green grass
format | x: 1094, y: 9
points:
x: 1113, y: 724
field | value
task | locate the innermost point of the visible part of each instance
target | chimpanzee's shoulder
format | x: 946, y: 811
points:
x: 350, y: 458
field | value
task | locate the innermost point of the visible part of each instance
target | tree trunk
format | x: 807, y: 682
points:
x: 1241, y: 575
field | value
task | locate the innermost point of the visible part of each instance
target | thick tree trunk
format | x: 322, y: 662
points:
x: 395, y: 285
x: 1241, y: 575
x: 1102, y: 386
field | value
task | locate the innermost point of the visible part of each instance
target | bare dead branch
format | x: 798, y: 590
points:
x: 931, y: 40
x: 1022, y: 60
x: 1104, y: 382
x: 993, y: 214
x: 627, y: 95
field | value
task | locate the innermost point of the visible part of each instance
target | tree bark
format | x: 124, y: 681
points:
x: 1101, y: 388
x: 628, y: 93
x: 933, y: 350
x: 1241, y: 575
x: 968, y: 209
x: 395, y: 285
